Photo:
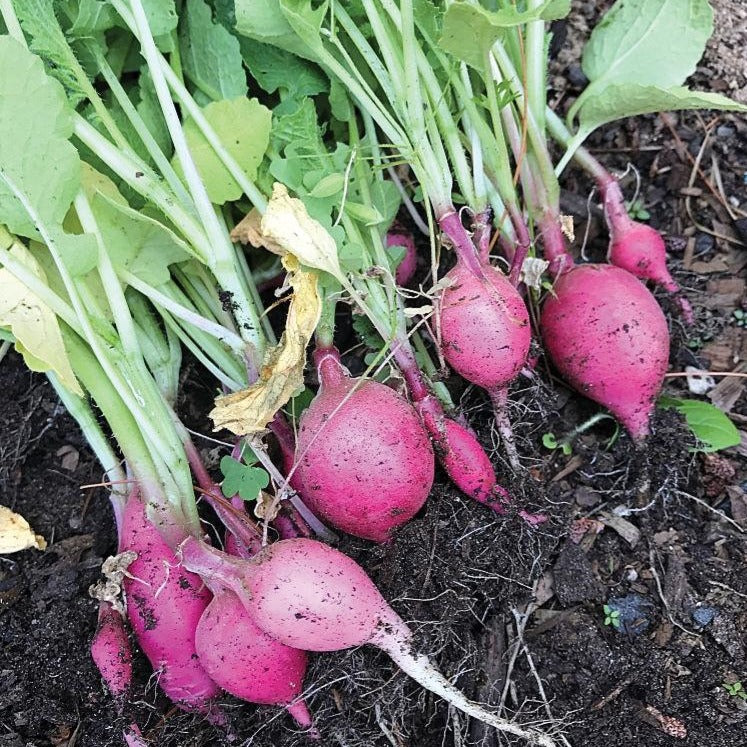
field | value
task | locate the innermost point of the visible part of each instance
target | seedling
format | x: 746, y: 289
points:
x: 637, y: 211
x: 740, y: 318
x: 611, y: 617
x: 550, y: 442
x: 735, y: 689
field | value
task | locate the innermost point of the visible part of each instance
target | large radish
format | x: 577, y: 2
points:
x: 363, y: 459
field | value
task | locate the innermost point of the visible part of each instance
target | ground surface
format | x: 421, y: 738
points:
x: 674, y: 563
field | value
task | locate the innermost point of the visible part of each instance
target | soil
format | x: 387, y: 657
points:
x: 511, y: 615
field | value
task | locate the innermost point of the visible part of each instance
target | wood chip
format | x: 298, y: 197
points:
x: 724, y: 293
x: 707, y: 268
x: 668, y: 724
x: 729, y: 349
x: 728, y: 391
x: 738, y: 499
x: 571, y: 466
x: 629, y: 532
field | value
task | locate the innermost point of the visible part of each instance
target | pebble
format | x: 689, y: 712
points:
x: 703, y: 615
x: 724, y: 131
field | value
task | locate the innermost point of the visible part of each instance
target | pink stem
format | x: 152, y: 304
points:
x: 466, y: 251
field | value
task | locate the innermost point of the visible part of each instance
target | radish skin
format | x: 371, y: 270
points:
x: 363, y: 459
x: 111, y: 652
x: 164, y: 604
x: 247, y: 662
x: 609, y: 339
x: 308, y: 595
x: 485, y: 333
x: 406, y: 268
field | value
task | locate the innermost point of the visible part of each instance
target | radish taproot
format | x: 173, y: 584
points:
x: 363, y: 460
x: 111, y: 652
x: 310, y: 596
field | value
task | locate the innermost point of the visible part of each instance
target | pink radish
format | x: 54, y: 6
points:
x: 609, y: 339
x: 164, y: 605
x: 308, y: 595
x: 247, y: 662
x: 406, y: 268
x: 111, y: 652
x: 485, y: 336
x: 485, y: 331
x: 363, y: 459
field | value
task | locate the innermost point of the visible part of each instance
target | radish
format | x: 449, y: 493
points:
x: 636, y: 247
x: 485, y: 332
x: 609, y: 339
x: 407, y: 266
x: 164, y: 605
x: 111, y: 652
x: 363, y: 459
x: 310, y: 596
x: 247, y: 662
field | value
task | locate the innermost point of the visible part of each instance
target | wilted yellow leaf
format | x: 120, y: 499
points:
x: 16, y: 534
x: 250, y: 410
x: 33, y: 323
x: 566, y: 226
x: 288, y: 225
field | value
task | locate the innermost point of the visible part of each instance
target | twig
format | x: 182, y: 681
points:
x: 660, y: 590
x: 535, y: 673
x: 720, y: 514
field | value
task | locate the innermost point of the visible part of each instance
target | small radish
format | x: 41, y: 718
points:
x: 111, y: 652
x: 310, y: 596
x: 406, y: 268
x: 363, y: 460
x: 485, y: 335
x: 609, y: 339
x: 164, y: 604
x: 638, y: 248
x: 247, y: 662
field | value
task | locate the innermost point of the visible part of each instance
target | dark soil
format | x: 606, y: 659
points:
x: 671, y: 562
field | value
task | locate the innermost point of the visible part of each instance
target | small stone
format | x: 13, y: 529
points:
x: 586, y: 497
x: 724, y: 131
x: 703, y: 615
x: 634, y: 610
x: 704, y: 243
x: 576, y: 76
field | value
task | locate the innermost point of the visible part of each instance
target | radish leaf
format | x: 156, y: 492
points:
x: 647, y: 43
x: 210, y: 54
x: 243, y: 126
x: 35, y: 123
x: 469, y: 30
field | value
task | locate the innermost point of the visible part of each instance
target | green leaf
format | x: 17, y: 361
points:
x: 328, y: 186
x: 709, y: 425
x: 150, y: 111
x: 275, y: 69
x: 550, y: 442
x: 265, y: 21
x: 243, y: 126
x: 242, y: 479
x: 210, y: 55
x: 162, y: 17
x: 469, y: 30
x: 646, y: 42
x: 48, y: 40
x: 91, y: 17
x: 630, y: 99
x: 134, y: 241
x: 296, y: 405
x: 35, y: 124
